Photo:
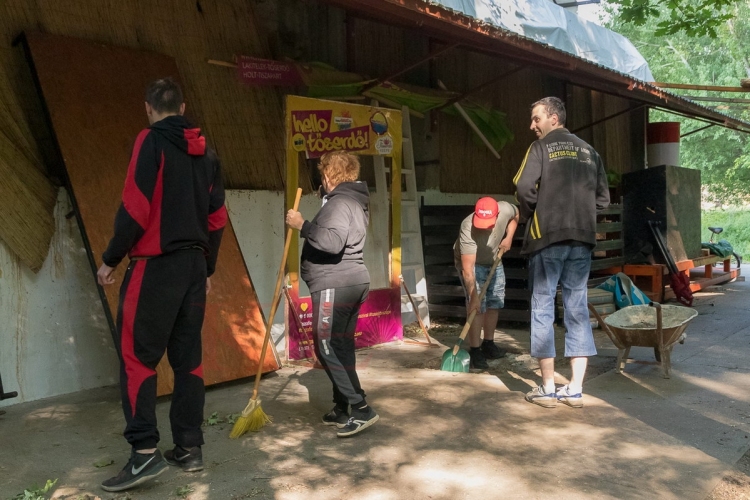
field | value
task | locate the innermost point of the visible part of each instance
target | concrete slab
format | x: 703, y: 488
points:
x: 441, y: 435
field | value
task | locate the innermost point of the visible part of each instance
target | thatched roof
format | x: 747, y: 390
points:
x: 244, y: 125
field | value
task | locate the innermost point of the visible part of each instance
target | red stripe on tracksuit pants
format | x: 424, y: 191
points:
x: 162, y: 304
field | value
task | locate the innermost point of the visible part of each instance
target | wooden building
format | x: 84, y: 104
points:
x: 42, y: 259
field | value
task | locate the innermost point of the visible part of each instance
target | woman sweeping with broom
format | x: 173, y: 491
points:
x: 334, y: 269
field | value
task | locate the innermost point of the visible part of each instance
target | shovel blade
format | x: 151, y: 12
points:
x: 457, y: 363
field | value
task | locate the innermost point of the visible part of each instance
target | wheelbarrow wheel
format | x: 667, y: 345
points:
x: 657, y: 354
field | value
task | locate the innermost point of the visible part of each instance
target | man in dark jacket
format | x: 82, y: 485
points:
x: 170, y: 224
x: 561, y: 186
x: 334, y: 269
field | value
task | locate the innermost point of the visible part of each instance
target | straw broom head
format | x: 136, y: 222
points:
x: 253, y: 419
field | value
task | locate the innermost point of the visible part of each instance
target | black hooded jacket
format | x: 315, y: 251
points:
x: 561, y: 186
x: 333, y: 253
x: 173, y: 196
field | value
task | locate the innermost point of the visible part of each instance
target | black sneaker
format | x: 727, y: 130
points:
x: 478, y: 361
x: 139, y: 469
x: 189, y: 460
x: 337, y: 417
x: 359, y: 421
x: 491, y: 350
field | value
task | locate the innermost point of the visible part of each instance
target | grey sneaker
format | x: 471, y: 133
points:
x: 189, y: 460
x: 491, y: 350
x: 565, y: 396
x: 538, y: 397
x: 337, y: 417
x: 139, y: 469
x: 359, y: 421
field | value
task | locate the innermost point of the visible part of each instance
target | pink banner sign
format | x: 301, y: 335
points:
x: 379, y: 322
x: 256, y: 71
x: 318, y: 131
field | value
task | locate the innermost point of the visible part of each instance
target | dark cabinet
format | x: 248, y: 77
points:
x: 667, y: 194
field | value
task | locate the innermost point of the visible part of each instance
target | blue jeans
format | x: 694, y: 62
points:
x: 568, y: 264
x: 495, y: 296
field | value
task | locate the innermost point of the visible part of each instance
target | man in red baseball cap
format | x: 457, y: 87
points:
x: 485, y: 213
x: 483, y: 233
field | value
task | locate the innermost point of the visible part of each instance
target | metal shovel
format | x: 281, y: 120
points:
x: 457, y: 359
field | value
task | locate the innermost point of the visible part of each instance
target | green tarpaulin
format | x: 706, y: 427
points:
x: 325, y: 82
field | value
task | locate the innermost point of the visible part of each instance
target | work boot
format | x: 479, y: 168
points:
x: 491, y: 350
x: 478, y: 361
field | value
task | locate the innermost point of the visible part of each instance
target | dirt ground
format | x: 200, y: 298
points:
x: 514, y: 338
x: 736, y: 484
x: 517, y: 363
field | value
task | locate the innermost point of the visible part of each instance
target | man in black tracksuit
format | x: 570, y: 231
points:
x: 561, y: 186
x: 170, y: 224
x: 334, y: 269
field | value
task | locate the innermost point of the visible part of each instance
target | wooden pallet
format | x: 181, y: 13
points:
x: 650, y: 278
x: 609, y: 240
x: 440, y: 226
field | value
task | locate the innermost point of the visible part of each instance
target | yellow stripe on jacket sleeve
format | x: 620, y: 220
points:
x: 523, y: 165
x: 536, y: 226
x: 532, y: 229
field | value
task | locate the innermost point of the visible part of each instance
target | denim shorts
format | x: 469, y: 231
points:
x: 568, y: 264
x: 495, y: 296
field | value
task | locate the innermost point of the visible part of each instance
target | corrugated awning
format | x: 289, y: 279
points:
x: 440, y: 22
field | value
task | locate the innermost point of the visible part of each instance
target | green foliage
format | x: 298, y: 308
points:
x: 105, y: 462
x: 613, y: 178
x: 695, y: 18
x: 36, y: 493
x: 215, y: 419
x: 184, y: 491
x: 736, y: 224
x: 722, y: 155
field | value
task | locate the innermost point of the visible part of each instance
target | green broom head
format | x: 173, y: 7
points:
x: 253, y: 419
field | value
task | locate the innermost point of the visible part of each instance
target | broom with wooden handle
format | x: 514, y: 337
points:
x: 253, y: 417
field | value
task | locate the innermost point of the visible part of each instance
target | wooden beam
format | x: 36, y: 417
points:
x: 473, y: 125
x: 724, y: 123
x: 716, y: 99
x: 428, y: 57
x: 222, y: 63
x: 705, y: 260
x: 687, y: 86
x: 607, y: 118
x: 697, y: 130
x: 479, y: 87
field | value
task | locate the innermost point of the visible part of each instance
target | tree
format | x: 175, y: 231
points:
x: 692, y: 17
x: 722, y: 155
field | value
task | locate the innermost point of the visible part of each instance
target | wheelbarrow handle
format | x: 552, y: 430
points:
x: 6, y: 395
x: 604, y: 326
x: 659, y: 330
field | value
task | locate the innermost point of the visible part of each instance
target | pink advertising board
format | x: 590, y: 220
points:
x: 379, y: 322
x: 256, y: 71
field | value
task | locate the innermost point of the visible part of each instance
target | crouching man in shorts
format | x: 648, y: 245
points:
x: 483, y: 234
